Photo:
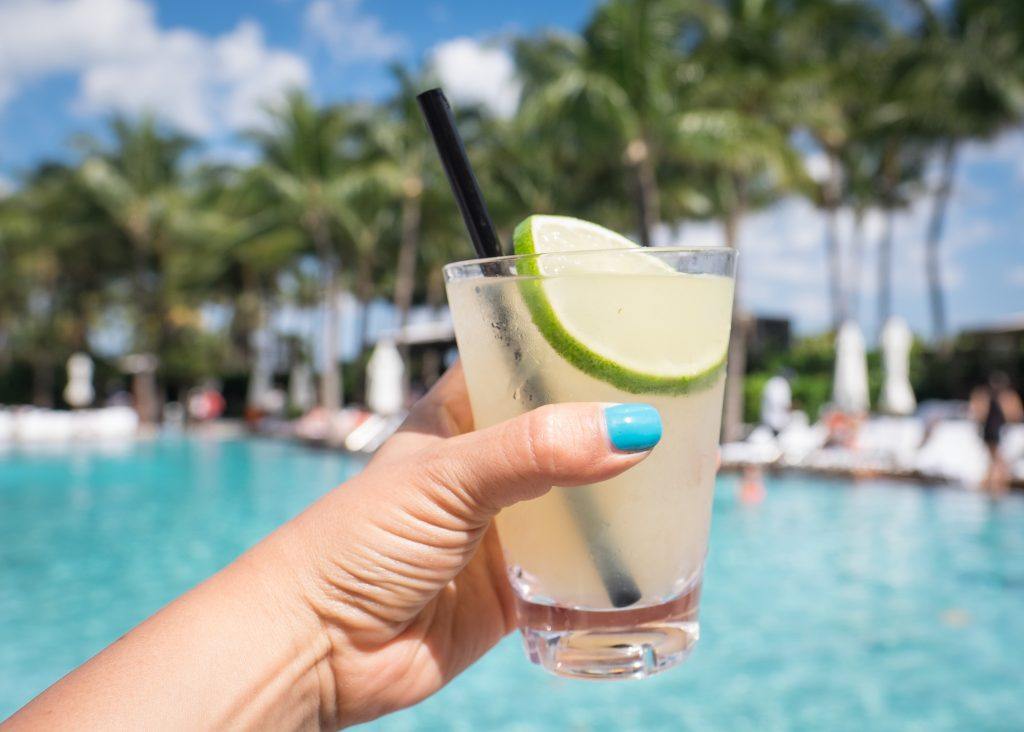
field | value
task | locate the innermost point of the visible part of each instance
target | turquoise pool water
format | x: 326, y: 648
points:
x: 828, y: 607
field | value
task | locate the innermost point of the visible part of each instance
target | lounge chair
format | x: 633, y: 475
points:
x: 954, y: 452
x: 800, y: 438
x: 760, y: 449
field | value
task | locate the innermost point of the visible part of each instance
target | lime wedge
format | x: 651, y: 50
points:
x: 632, y: 321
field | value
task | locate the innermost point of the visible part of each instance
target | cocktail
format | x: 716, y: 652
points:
x: 606, y: 577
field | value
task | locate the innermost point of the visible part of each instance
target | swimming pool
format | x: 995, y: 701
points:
x: 827, y: 607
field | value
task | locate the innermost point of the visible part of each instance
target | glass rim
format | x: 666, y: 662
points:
x: 508, y: 258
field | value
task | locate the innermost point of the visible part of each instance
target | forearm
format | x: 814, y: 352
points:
x: 242, y: 650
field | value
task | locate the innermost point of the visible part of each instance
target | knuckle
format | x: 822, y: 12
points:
x: 449, y: 485
x: 541, y: 441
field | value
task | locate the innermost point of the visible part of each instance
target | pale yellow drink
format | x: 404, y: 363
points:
x: 662, y: 320
x: 658, y: 513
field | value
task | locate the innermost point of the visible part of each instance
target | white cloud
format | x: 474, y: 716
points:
x: 474, y: 72
x: 350, y: 34
x: 125, y: 62
x: 783, y: 267
x: 254, y: 75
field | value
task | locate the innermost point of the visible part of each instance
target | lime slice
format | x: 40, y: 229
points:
x: 631, y: 321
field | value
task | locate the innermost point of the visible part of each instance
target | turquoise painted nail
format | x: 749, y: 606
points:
x: 633, y: 427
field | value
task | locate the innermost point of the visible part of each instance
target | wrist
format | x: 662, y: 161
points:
x: 289, y: 580
x: 317, y: 547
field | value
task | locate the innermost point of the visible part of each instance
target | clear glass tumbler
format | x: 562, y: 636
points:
x: 606, y: 577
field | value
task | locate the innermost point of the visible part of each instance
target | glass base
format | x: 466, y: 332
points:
x: 610, y: 644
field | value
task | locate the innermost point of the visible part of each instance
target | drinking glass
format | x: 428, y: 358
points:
x: 606, y: 577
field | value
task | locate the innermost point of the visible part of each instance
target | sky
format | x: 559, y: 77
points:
x: 209, y: 67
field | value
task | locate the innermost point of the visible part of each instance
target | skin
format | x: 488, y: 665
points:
x: 371, y: 600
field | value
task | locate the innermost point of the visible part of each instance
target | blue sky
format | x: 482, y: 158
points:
x: 208, y: 67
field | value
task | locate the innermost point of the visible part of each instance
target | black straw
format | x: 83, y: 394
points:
x: 438, y: 114
x: 618, y: 582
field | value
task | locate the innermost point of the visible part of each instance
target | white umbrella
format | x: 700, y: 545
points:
x: 300, y: 387
x: 79, y: 391
x: 385, y: 374
x: 261, y: 380
x: 897, y: 393
x: 850, y: 386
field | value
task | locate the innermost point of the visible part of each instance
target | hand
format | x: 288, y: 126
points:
x: 408, y: 578
x: 372, y: 599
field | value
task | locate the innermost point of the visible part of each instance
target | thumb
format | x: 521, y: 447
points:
x: 475, y: 475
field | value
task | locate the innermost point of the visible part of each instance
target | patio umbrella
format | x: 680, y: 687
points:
x: 897, y: 393
x: 261, y: 380
x: 79, y: 391
x: 385, y: 374
x: 850, y: 385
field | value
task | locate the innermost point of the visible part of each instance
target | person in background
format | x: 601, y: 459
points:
x: 992, y: 406
x: 777, y: 401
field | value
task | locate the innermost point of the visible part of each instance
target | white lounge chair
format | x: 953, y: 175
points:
x: 43, y: 426
x: 1011, y: 447
x: 890, y: 442
x: 6, y: 427
x: 109, y: 423
x: 954, y: 452
x: 800, y: 438
x: 760, y: 448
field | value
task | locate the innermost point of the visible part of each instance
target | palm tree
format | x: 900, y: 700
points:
x: 136, y: 184
x: 748, y: 163
x: 239, y: 263
x: 964, y: 80
x: 28, y: 290
x: 57, y: 268
x: 398, y: 145
x: 298, y: 189
x: 751, y: 65
x: 368, y: 217
x: 615, y: 84
x: 883, y: 162
x: 831, y: 56
x: 899, y: 174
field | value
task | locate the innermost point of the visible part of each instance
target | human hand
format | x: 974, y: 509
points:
x: 404, y: 569
x: 372, y: 599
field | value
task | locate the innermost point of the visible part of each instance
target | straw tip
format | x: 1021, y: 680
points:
x: 624, y: 596
x: 428, y: 93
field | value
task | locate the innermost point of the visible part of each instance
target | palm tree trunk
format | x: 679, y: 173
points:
x: 330, y: 377
x: 647, y: 197
x: 405, y: 273
x: 431, y: 366
x: 364, y: 294
x: 835, y: 277
x: 736, y: 368
x: 936, y: 296
x: 885, y: 270
x: 144, y: 388
x: 857, y: 255
x: 257, y: 354
x: 245, y: 325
